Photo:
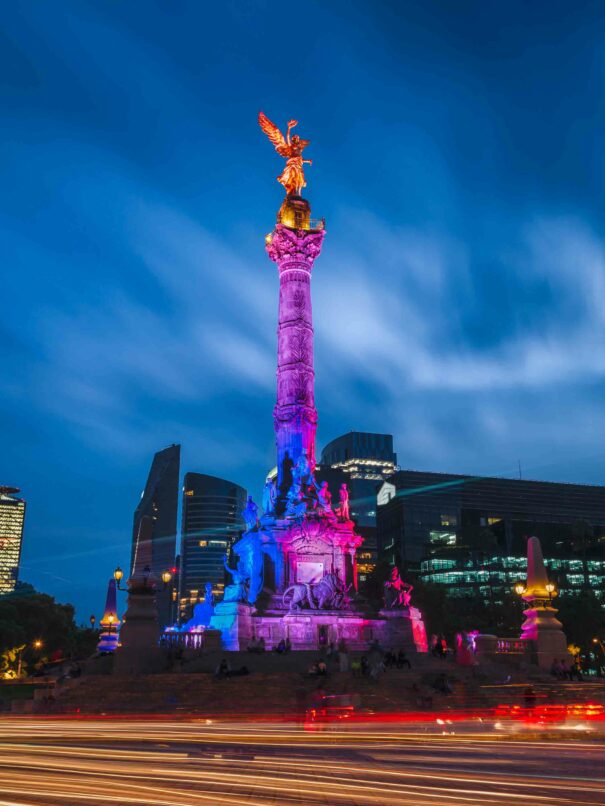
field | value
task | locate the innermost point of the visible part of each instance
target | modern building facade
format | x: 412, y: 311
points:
x: 155, y: 523
x: 211, y: 522
x: 362, y: 460
x: 12, y: 519
x: 470, y: 533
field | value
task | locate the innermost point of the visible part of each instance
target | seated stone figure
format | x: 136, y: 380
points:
x: 302, y: 480
x: 397, y: 593
x: 237, y: 591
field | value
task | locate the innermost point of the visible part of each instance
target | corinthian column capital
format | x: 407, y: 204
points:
x: 286, y: 245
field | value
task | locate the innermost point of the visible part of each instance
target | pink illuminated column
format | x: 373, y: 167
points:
x: 295, y: 416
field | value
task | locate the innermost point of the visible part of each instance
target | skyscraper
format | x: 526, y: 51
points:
x: 155, y: 522
x: 12, y: 517
x: 211, y: 521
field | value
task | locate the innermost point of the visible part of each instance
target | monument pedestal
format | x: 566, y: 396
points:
x: 234, y: 620
x: 541, y: 627
x: 404, y: 629
x: 139, y: 652
x: 545, y: 635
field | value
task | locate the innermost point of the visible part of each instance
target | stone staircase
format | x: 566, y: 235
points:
x: 276, y: 684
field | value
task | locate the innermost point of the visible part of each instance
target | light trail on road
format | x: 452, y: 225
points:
x: 65, y: 762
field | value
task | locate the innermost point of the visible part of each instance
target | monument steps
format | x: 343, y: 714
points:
x: 274, y: 685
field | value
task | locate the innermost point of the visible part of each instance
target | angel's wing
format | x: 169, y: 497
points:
x: 274, y: 134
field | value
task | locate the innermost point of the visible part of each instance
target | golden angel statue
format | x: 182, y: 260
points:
x: 292, y: 177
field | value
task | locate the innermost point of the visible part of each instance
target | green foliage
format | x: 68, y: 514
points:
x: 27, y: 616
x: 583, y: 618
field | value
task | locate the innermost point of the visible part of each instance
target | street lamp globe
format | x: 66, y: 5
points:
x: 519, y: 589
x: 118, y: 574
x: 166, y: 577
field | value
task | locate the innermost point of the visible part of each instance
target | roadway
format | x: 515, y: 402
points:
x: 168, y: 762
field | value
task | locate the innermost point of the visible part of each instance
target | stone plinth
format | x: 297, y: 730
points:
x: 404, y: 629
x: 234, y: 621
x: 544, y: 633
x: 312, y: 629
x: 139, y: 652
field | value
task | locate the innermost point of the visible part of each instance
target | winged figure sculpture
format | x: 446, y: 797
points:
x: 290, y: 147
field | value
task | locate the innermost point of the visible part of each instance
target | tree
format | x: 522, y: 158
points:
x: 583, y: 618
x: 27, y: 616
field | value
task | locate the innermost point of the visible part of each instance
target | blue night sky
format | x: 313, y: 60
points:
x: 459, y: 301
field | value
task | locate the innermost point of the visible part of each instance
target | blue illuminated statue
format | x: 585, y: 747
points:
x: 237, y: 591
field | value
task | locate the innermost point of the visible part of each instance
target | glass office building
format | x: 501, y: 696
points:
x: 155, y: 524
x: 12, y: 519
x: 470, y: 533
x: 211, y: 522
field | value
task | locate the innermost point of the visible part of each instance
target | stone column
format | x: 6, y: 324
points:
x: 295, y: 416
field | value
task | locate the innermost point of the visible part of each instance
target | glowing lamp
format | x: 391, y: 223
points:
x: 519, y: 589
x: 38, y: 644
x: 92, y: 620
x: 118, y: 574
x: 166, y: 577
x: 550, y: 587
x: 111, y: 618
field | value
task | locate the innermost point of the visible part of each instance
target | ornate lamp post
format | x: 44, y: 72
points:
x: 118, y: 575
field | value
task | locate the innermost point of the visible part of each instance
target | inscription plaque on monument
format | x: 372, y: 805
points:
x: 309, y: 571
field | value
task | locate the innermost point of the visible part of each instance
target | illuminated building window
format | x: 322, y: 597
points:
x: 189, y: 492
x: 449, y: 520
x: 203, y: 543
x: 493, y: 521
x: 438, y: 538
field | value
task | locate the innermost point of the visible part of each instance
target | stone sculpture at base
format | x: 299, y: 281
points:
x: 202, y: 611
x: 397, y: 593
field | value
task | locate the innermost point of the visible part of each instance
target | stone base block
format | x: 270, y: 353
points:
x: 404, y: 629
x: 139, y: 660
x: 315, y: 629
x: 234, y: 621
